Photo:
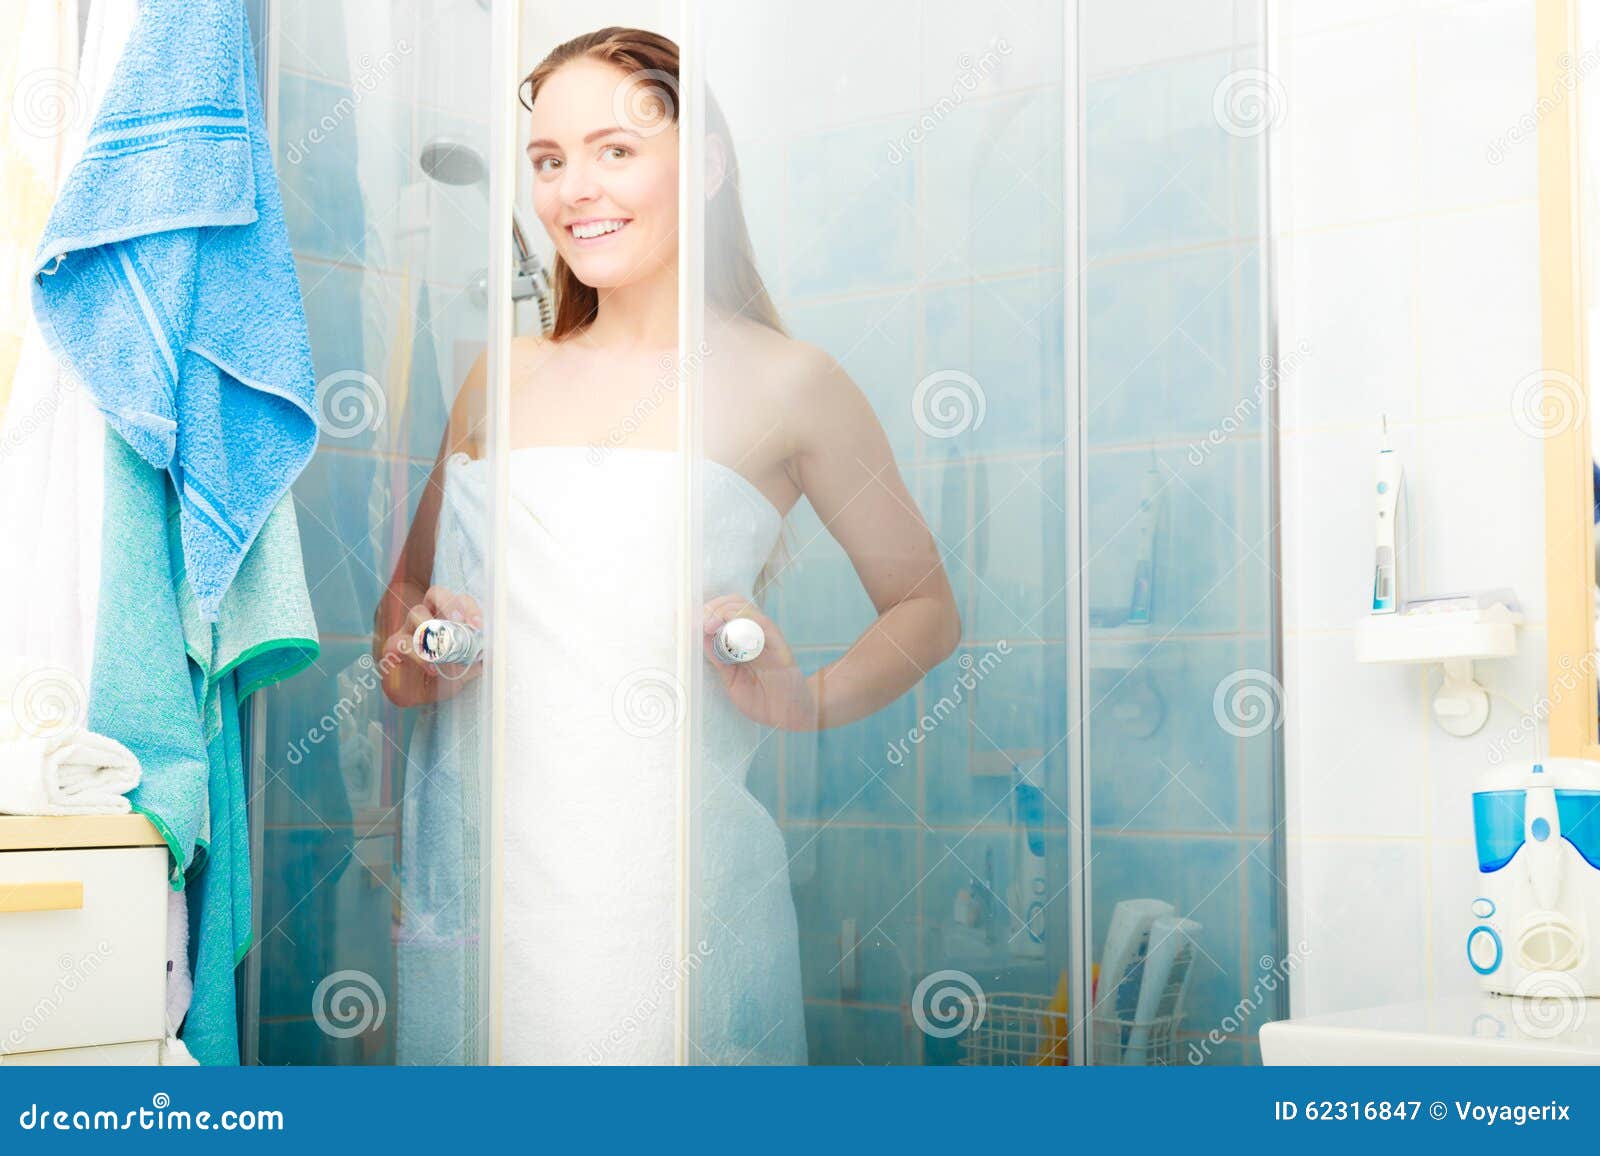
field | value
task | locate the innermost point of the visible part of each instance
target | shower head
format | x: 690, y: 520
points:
x: 453, y: 162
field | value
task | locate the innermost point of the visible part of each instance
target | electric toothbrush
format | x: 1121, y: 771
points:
x: 1386, y: 574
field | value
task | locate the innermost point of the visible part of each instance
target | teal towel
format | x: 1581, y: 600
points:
x: 219, y: 898
x: 168, y: 684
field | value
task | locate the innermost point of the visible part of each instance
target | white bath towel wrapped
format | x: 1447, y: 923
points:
x: 590, y: 965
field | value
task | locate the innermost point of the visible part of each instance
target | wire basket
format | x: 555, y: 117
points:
x: 1136, y: 1042
x: 1018, y: 1029
x: 1124, y: 1040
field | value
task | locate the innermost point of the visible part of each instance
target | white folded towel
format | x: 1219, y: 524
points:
x: 180, y: 984
x: 70, y: 772
x: 174, y: 1053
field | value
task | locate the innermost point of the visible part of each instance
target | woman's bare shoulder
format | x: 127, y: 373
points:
x: 793, y: 369
x: 531, y: 345
x: 814, y: 390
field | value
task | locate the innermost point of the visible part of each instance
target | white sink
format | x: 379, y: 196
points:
x: 1481, y: 1029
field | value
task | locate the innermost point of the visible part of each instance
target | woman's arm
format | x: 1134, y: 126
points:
x: 843, y: 462
x: 407, y: 680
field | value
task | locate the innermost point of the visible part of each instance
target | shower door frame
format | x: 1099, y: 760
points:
x: 505, y: 23
x: 1074, y: 324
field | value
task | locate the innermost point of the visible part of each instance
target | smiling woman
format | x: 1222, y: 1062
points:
x: 591, y: 930
x: 591, y: 182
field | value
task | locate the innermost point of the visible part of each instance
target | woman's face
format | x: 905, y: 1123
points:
x: 605, y: 172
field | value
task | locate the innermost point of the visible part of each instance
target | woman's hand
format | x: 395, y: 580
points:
x: 408, y: 678
x: 770, y: 689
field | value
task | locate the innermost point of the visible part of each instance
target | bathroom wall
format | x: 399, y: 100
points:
x: 1407, y: 265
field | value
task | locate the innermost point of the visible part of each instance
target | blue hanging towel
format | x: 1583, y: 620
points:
x: 165, y: 283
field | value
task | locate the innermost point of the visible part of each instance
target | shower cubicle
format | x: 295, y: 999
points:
x: 1035, y: 235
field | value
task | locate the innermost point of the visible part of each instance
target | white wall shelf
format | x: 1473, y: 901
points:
x: 1454, y: 639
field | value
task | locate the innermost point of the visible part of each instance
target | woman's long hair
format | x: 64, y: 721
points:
x: 733, y: 285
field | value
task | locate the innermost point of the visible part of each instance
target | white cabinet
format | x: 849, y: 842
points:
x: 82, y: 940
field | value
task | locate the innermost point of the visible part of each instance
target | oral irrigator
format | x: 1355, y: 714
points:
x: 1536, y: 912
x: 739, y: 640
x: 439, y: 640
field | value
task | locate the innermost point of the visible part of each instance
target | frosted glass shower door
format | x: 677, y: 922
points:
x: 878, y: 820
x: 1179, y: 374
x: 372, y: 783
